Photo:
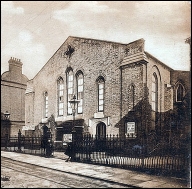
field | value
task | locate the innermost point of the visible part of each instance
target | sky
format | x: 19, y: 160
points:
x: 33, y: 30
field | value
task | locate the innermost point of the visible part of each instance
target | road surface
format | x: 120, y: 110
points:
x: 15, y: 174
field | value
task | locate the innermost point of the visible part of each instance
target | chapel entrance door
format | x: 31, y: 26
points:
x: 101, y: 136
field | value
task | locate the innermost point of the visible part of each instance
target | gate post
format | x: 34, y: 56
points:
x: 73, y: 145
x: 77, y: 136
x: 19, y: 141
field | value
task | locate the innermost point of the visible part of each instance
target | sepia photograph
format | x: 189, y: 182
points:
x: 95, y: 94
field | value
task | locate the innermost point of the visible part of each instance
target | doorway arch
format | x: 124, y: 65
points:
x: 101, y: 136
x: 101, y: 130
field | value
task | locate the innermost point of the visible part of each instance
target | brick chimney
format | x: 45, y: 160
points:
x: 15, y: 65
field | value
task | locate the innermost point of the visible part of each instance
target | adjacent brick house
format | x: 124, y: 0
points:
x: 13, y: 86
x: 121, y: 88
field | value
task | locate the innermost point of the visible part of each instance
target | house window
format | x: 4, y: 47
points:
x: 154, y: 93
x: 69, y: 90
x: 100, y: 82
x: 180, y: 93
x: 60, y: 88
x: 80, y: 93
x: 46, y: 104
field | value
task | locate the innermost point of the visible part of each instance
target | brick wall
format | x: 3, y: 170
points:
x: 13, y: 100
x: 94, y: 58
x: 13, y: 86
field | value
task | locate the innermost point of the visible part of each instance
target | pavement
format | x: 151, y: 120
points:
x: 116, y: 175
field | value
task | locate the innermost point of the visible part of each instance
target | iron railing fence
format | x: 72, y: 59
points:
x: 30, y: 145
x: 142, y: 153
x: 136, y: 153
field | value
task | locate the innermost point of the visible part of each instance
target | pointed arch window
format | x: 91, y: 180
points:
x: 154, y: 101
x: 46, y: 104
x: 101, y: 86
x: 60, y: 89
x: 69, y: 90
x: 179, y: 93
x: 80, y: 92
x: 132, y: 97
x: 154, y: 93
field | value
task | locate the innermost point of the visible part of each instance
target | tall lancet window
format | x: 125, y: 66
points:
x: 69, y: 90
x: 101, y: 87
x: 154, y: 101
x: 46, y: 104
x: 131, y: 98
x: 180, y: 93
x: 60, y: 88
x: 80, y: 92
x: 154, y: 93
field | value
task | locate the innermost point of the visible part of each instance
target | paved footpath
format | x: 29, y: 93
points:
x: 123, y: 176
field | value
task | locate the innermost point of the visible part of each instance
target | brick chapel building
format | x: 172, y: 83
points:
x: 13, y: 86
x: 121, y: 89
